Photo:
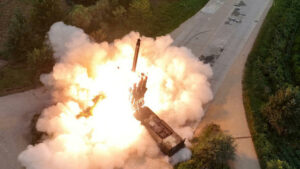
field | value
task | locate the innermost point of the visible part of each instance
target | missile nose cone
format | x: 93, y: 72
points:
x: 136, y: 53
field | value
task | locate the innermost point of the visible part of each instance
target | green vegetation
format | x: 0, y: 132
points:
x: 277, y: 164
x: 85, y: 2
x: 281, y: 109
x: 212, y: 149
x: 103, y: 20
x: 25, y: 49
x: 36, y: 136
x: 168, y: 18
x: 271, y: 87
x: 15, y: 78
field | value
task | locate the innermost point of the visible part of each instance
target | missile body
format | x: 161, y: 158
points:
x: 166, y: 138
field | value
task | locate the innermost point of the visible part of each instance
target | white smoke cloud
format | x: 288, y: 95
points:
x: 112, y: 138
x: 182, y: 155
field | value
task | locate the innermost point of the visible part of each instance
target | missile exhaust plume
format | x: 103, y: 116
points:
x: 92, y: 123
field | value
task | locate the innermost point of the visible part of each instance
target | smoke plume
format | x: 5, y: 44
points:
x: 111, y: 137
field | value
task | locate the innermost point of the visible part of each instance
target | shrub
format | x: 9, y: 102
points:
x: 140, y: 16
x: 212, y: 149
x: 98, y: 35
x: 119, y: 12
x: 101, y: 16
x: 85, y: 2
x: 296, y: 58
x: 40, y: 60
x: 43, y: 14
x: 296, y: 67
x: 278, y: 164
x: 36, y: 136
x: 19, y: 38
x: 79, y: 16
x: 140, y: 7
x: 281, y: 109
x: 270, y: 70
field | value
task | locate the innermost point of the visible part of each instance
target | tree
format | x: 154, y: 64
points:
x: 282, y: 109
x: 36, y: 136
x: 85, y: 2
x: 278, y: 164
x: 295, y: 61
x: 119, y: 12
x: 19, y: 38
x: 212, y: 149
x: 296, y: 67
x: 101, y: 16
x: 140, y: 7
x: 43, y: 14
x: 40, y: 60
x: 98, y: 35
x: 140, y: 15
x: 79, y: 16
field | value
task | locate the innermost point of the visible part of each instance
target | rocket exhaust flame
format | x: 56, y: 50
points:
x: 89, y: 131
x: 89, y: 111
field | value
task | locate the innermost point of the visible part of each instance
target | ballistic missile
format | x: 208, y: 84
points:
x: 136, y: 54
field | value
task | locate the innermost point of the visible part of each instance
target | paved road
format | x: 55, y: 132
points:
x: 224, y: 45
x: 16, y: 112
x: 223, y: 33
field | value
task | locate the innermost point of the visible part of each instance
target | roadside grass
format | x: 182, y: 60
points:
x: 16, y: 78
x: 260, y: 82
x: 166, y: 16
x: 212, y: 149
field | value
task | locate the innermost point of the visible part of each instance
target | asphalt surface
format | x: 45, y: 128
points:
x: 16, y: 112
x: 222, y: 34
x: 223, y: 44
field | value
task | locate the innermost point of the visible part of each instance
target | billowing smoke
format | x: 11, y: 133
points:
x: 111, y: 137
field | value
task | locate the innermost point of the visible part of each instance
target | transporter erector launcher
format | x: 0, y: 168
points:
x: 166, y: 138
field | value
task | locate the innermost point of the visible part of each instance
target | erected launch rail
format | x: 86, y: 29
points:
x: 165, y: 137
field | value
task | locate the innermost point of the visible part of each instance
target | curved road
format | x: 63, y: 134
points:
x: 222, y: 33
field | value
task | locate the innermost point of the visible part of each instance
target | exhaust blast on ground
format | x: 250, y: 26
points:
x: 111, y: 137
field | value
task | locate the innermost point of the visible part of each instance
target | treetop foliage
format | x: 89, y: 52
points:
x: 278, y: 164
x: 19, y: 33
x: 79, y: 16
x: 212, y: 149
x: 271, y: 87
x: 85, y: 2
x: 281, y: 110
